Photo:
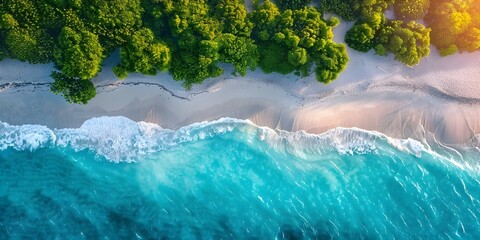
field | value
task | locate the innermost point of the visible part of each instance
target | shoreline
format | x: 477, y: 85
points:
x: 439, y: 96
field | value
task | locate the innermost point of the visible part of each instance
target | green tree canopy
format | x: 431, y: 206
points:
x: 233, y: 15
x: 409, y: 42
x: 74, y: 90
x: 292, y: 4
x: 470, y: 40
x: 196, y: 50
x: 331, y: 62
x: 8, y: 22
x: 361, y: 37
x: 293, y: 40
x: 114, y: 21
x: 454, y: 25
x: 411, y: 9
x: 79, y: 53
x: 34, y: 46
x: 241, y: 52
x: 144, y: 54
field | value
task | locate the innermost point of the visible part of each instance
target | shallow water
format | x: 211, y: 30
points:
x: 229, y: 179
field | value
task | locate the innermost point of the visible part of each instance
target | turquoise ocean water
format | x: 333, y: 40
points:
x: 229, y: 179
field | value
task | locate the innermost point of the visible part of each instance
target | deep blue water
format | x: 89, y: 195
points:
x: 229, y: 179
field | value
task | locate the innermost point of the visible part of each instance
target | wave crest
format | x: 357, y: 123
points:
x: 121, y: 139
x: 25, y: 137
x: 343, y: 141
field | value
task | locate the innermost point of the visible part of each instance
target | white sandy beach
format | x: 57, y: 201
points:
x: 439, y: 96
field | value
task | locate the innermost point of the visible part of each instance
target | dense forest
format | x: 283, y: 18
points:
x: 189, y: 38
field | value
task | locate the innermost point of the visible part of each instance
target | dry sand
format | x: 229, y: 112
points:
x: 439, y: 96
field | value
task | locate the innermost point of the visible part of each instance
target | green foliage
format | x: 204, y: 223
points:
x: 448, y: 51
x: 79, y: 53
x: 331, y: 62
x: 297, y: 57
x: 470, y: 40
x: 274, y: 58
x: 233, y: 15
x: 264, y: 17
x: 346, y: 9
x: 3, y: 49
x: 355, y: 9
x: 74, y: 90
x: 29, y: 45
x: 191, y: 37
x: 154, y: 17
x: 370, y: 7
x: 293, y: 40
x: 197, y: 50
x: 144, y: 54
x: 408, y: 42
x: 381, y: 50
x: 411, y: 9
x: 455, y: 23
x: 8, y: 22
x: 292, y: 4
x: 114, y: 21
x: 23, y: 11
x: 120, y: 72
x: 193, y: 69
x: 333, y: 22
x: 50, y: 17
x: 240, y: 51
x: 361, y: 37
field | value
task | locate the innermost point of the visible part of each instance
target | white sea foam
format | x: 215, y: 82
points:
x: 112, y: 137
x: 25, y: 137
x: 121, y: 139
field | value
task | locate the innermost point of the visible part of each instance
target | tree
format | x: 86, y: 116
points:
x: 196, y: 48
x: 144, y: 54
x: 361, y: 37
x: 333, y: 22
x: 23, y: 11
x: 7, y: 22
x: 79, y: 53
x: 234, y: 17
x: 240, y: 51
x: 264, y: 18
x: 454, y: 23
x: 470, y: 40
x: 292, y: 4
x: 410, y: 43
x: 114, y: 21
x: 274, y: 58
x: 367, y: 33
x: 33, y: 46
x: 411, y: 9
x: 449, y: 50
x: 331, y: 62
x: 346, y: 9
x: 295, y: 39
x: 74, y: 90
x: 297, y: 57
x: 355, y: 9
